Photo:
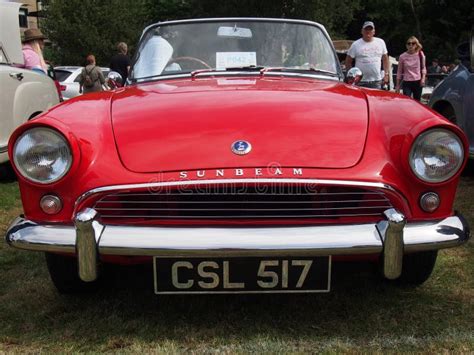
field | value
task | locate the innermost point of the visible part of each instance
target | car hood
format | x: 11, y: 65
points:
x: 191, y: 124
x: 10, y: 39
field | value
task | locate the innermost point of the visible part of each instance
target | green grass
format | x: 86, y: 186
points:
x: 359, y: 315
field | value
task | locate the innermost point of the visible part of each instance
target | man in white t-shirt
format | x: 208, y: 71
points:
x: 369, y: 53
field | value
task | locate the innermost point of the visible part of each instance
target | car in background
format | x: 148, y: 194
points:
x: 454, y: 96
x: 238, y: 161
x: 24, y: 93
x: 68, y: 77
x: 426, y: 92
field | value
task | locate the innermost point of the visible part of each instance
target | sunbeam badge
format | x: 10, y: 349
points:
x: 241, y: 147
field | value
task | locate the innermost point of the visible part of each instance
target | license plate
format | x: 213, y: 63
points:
x: 242, y: 275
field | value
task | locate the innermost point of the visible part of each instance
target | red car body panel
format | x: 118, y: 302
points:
x: 192, y: 124
x: 150, y: 146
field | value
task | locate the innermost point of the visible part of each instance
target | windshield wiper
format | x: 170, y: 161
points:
x: 243, y: 68
x: 199, y: 71
x: 246, y: 68
x: 264, y: 69
x: 314, y: 70
x: 250, y: 68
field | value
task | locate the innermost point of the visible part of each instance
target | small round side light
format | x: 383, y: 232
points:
x: 429, y: 201
x: 51, y: 204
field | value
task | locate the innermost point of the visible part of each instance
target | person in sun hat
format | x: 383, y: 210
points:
x: 33, y: 44
x: 369, y: 53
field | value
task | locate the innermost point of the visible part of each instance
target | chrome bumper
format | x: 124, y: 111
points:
x: 89, y: 239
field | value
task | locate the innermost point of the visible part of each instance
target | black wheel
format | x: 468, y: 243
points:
x: 64, y: 274
x: 6, y: 172
x: 449, y: 113
x: 417, y: 268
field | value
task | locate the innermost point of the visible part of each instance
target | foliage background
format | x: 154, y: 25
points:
x: 79, y: 27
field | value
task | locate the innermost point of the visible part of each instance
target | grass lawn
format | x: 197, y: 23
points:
x: 359, y: 315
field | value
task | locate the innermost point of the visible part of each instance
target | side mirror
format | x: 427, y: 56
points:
x: 115, y: 79
x: 353, y: 76
x: 51, y: 73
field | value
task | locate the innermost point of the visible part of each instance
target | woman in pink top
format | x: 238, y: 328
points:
x: 33, y: 44
x: 412, y: 69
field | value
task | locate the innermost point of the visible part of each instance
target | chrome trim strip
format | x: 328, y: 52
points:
x: 191, y: 193
x: 320, y: 240
x: 237, y: 73
x: 244, y: 217
x: 241, y: 19
x: 3, y: 149
x: 188, y: 183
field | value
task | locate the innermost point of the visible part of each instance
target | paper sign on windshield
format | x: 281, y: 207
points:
x: 235, y: 59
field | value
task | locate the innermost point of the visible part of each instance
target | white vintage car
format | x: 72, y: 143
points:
x: 68, y: 78
x: 24, y: 93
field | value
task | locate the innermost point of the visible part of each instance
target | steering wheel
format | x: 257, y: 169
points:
x: 190, y: 59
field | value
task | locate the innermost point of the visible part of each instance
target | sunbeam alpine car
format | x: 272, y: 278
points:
x: 236, y: 159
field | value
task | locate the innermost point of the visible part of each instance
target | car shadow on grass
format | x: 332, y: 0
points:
x: 360, y: 306
x: 469, y: 168
x: 125, y: 314
x: 6, y: 173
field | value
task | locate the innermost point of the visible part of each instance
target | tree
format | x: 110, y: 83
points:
x: 335, y: 15
x: 77, y: 28
x: 439, y: 24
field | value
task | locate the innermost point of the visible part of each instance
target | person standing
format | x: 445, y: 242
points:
x: 91, y: 78
x: 412, y: 70
x: 33, y: 45
x: 434, y: 68
x: 121, y: 62
x: 432, y: 75
x: 370, y: 53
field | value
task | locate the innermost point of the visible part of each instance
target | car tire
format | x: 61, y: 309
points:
x: 417, y: 268
x: 449, y: 113
x: 63, y: 271
x: 6, y: 172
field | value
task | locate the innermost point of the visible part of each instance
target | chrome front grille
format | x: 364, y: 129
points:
x: 222, y: 202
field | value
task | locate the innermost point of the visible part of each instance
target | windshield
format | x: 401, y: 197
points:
x: 179, y: 48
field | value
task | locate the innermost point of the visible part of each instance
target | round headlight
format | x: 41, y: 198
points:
x: 436, y: 155
x: 42, y: 155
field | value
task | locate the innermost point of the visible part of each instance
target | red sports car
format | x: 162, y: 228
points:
x: 236, y: 159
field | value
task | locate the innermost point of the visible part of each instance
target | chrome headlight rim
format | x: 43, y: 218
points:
x: 22, y: 171
x: 422, y: 137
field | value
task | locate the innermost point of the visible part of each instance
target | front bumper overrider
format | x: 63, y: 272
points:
x: 89, y: 238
